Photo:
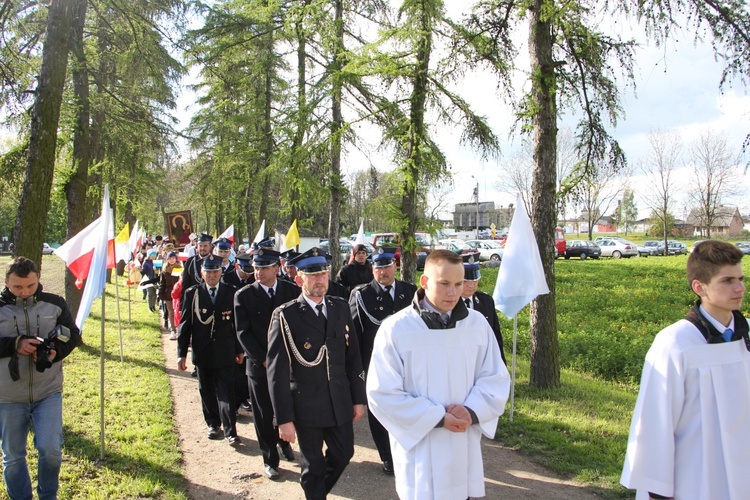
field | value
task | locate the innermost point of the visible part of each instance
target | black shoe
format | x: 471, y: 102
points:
x: 246, y: 406
x: 234, y: 440
x: 214, y: 432
x: 271, y: 472
x: 287, y: 452
x: 194, y: 373
x: 388, y: 467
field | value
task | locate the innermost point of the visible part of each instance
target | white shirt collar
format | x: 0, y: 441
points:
x: 392, y: 291
x: 265, y: 288
x: 713, y: 321
x: 314, y: 304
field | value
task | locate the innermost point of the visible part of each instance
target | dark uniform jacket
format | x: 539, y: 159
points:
x: 232, y: 278
x: 191, y: 275
x: 215, y: 344
x: 337, y: 290
x: 314, y: 396
x: 370, y: 305
x: 484, y: 304
x: 252, y: 315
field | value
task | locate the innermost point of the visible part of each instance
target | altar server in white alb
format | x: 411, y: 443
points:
x: 690, y: 434
x: 437, y: 383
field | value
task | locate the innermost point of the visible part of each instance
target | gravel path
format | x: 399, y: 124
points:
x: 215, y: 470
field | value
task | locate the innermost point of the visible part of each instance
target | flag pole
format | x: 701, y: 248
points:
x: 119, y: 323
x: 513, y: 369
x: 101, y: 385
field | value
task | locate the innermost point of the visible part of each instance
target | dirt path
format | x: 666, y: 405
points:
x: 215, y: 470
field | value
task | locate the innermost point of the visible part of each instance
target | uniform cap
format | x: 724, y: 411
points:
x: 205, y: 237
x: 211, y: 263
x: 265, y: 257
x: 312, y: 261
x: 471, y: 267
x: 383, y: 258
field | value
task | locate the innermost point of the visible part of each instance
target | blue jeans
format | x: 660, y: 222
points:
x: 46, y: 417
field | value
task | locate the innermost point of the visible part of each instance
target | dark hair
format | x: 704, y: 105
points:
x: 443, y: 254
x: 708, y: 256
x: 21, y: 267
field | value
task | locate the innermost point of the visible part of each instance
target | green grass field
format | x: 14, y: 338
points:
x: 608, y: 313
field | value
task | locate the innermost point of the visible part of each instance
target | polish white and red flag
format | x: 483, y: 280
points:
x: 78, y: 251
x: 228, y: 234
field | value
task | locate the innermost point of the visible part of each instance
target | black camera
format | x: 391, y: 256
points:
x: 58, y: 334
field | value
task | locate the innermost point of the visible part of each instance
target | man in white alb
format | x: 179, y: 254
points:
x: 437, y: 383
x: 690, y: 433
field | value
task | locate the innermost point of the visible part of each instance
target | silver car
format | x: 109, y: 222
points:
x: 618, y: 249
x: 488, y: 249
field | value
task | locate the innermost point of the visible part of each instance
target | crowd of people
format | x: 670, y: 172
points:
x: 272, y: 332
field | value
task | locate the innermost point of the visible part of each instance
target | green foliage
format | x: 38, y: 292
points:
x: 656, y: 228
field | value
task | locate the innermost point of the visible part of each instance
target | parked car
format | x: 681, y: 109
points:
x: 654, y: 246
x: 344, y: 245
x: 617, y: 249
x: 488, y: 249
x: 391, y: 242
x: 744, y: 246
x: 47, y: 250
x: 644, y: 251
x: 582, y: 249
x: 459, y: 246
x: 677, y: 248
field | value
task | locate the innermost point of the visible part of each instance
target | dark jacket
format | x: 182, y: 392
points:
x: 215, y: 343
x: 354, y: 274
x: 314, y: 396
x: 370, y: 305
x: 252, y: 316
x: 36, y: 316
x: 232, y: 278
x: 191, y: 275
x: 166, y: 283
x: 484, y: 304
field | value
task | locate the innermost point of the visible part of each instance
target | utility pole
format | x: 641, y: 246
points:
x: 476, y: 200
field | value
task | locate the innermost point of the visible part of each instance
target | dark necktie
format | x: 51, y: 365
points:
x: 467, y: 301
x: 270, y: 293
x: 387, y: 295
x: 321, y: 316
x: 212, y: 292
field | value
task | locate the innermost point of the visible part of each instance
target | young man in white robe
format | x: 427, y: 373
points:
x: 690, y: 433
x: 437, y: 382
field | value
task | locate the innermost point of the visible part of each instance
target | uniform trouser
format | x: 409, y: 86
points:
x: 380, y: 436
x: 268, y: 435
x: 320, y: 473
x: 216, y: 387
x: 241, y: 386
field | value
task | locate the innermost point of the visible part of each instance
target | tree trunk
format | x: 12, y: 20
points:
x: 545, y: 361
x: 77, y: 185
x: 299, y: 134
x: 336, y: 187
x: 45, y: 116
x: 413, y: 168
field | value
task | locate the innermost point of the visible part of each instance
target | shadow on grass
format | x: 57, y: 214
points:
x: 95, y: 351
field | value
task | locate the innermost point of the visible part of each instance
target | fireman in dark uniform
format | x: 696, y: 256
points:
x: 253, y: 306
x: 370, y: 304
x: 208, y: 321
x: 315, y: 376
x: 480, y: 301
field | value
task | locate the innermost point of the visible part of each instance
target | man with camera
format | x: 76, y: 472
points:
x: 37, y: 332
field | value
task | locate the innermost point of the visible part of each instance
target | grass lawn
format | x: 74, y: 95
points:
x: 608, y: 313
